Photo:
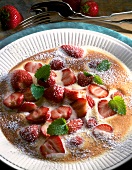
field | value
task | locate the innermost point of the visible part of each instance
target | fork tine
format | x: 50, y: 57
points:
x: 43, y: 17
x: 34, y: 18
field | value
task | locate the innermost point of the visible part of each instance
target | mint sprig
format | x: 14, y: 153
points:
x: 103, y: 66
x: 43, y: 72
x: 118, y: 105
x: 37, y: 91
x: 58, y: 127
x: 96, y: 78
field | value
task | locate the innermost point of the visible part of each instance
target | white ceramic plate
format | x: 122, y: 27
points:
x: 37, y: 42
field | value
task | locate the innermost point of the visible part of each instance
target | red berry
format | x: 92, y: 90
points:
x: 21, y: 79
x: 73, y: 51
x: 10, y: 17
x: 83, y: 80
x: 14, y: 100
x: 76, y: 141
x: 32, y: 66
x: 91, y: 122
x: 98, y: 91
x: 90, y: 8
x: 61, y: 112
x: 30, y: 133
x: 68, y: 77
x: 74, y: 125
x: 104, y: 109
x: 57, y: 64
x: 54, y: 93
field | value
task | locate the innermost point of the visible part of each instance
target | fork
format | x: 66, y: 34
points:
x: 122, y: 19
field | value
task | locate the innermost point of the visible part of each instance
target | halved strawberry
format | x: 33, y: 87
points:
x: 98, y: 91
x: 117, y: 93
x: 104, y: 109
x: 32, y: 67
x: 76, y: 141
x: 102, y: 130
x: 30, y: 133
x: 14, y: 100
x: 54, y: 93
x: 27, y: 107
x: 61, y: 112
x: 73, y: 95
x: 45, y: 126
x: 83, y: 80
x: 53, y: 145
x: 28, y: 95
x: 39, y: 115
x: 91, y: 101
x: 57, y: 64
x: 91, y: 122
x: 73, y: 51
x: 50, y: 82
x: 68, y: 77
x: 80, y: 106
x: 74, y: 125
x: 21, y: 79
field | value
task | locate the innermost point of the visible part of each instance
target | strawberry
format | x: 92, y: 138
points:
x: 27, y: 107
x: 61, y: 112
x: 80, y: 106
x: 54, y: 93
x: 49, y: 82
x: 117, y: 93
x: 97, y: 91
x: 75, y: 4
x: 104, y: 109
x: 68, y: 77
x: 14, y: 100
x: 91, y: 101
x: 52, y: 145
x: 83, y: 80
x: 32, y: 67
x: 45, y: 126
x: 76, y: 141
x: 74, y: 125
x: 39, y: 115
x: 57, y: 64
x: 21, y: 79
x: 28, y: 95
x: 10, y: 17
x: 90, y: 8
x: 73, y: 95
x: 101, y: 130
x: 73, y: 51
x: 91, y: 122
x: 30, y: 133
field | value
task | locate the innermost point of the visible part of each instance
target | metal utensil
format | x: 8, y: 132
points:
x: 66, y: 11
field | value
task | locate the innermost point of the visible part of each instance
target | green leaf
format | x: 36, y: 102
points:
x: 87, y: 74
x: 118, y: 105
x: 58, y: 127
x: 97, y: 79
x: 37, y: 91
x: 43, y: 72
x: 103, y: 66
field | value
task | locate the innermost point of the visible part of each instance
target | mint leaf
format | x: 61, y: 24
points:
x: 58, y: 127
x: 37, y: 91
x: 118, y: 105
x: 97, y: 79
x: 87, y: 74
x: 103, y: 66
x: 43, y: 72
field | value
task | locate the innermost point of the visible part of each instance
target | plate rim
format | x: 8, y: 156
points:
x: 65, y: 29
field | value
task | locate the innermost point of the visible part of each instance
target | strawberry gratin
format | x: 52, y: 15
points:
x: 67, y: 104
